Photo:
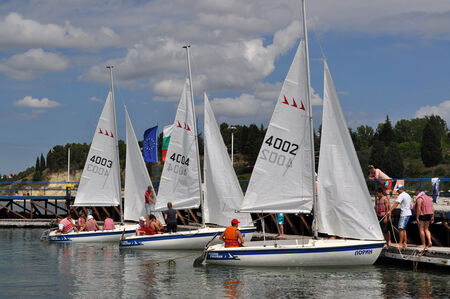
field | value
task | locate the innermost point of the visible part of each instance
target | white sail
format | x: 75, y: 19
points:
x: 99, y: 183
x: 137, y: 178
x: 344, y: 207
x: 282, y: 178
x: 223, y: 194
x: 179, y: 180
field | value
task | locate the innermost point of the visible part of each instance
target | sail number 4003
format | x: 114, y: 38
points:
x: 179, y: 159
x: 101, y: 161
x: 284, y: 145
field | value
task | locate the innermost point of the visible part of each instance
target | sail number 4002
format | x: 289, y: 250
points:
x: 284, y: 145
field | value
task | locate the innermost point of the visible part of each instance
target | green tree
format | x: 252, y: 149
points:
x: 394, y: 161
x: 42, y: 163
x: 431, y: 149
x: 385, y: 132
x: 365, y: 136
x: 377, y: 155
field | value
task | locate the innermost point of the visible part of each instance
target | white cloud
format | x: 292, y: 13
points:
x: 24, y: 66
x: 443, y: 110
x: 18, y: 32
x: 43, y: 103
x: 95, y: 99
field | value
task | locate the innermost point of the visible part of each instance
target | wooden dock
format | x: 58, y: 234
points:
x: 438, y: 256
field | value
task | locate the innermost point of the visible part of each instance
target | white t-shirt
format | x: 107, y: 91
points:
x: 405, y: 204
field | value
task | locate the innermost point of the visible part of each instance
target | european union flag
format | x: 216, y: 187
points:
x: 150, y: 151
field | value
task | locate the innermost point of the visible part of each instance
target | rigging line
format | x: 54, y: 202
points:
x: 320, y: 46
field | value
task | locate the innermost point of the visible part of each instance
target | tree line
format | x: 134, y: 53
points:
x: 407, y: 149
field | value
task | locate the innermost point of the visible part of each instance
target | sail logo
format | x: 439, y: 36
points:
x: 363, y: 252
x: 106, y: 133
x: 186, y: 126
x: 294, y: 103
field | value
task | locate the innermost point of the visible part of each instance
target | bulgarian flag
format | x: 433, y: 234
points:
x: 167, y: 131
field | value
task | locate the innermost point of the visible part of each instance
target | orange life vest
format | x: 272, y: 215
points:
x: 149, y: 231
x: 68, y: 225
x: 230, y: 237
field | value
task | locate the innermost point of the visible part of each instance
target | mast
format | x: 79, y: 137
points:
x: 110, y: 67
x: 308, y: 79
x: 195, y: 132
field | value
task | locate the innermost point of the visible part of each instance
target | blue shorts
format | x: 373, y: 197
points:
x: 403, y: 221
x: 280, y: 218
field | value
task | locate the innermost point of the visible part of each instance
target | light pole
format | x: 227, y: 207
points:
x: 233, y: 129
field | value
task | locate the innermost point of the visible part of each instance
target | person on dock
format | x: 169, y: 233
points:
x: 232, y: 236
x: 404, y: 200
x: 171, y: 216
x: 423, y: 208
x: 385, y: 180
x: 140, y: 227
x: 108, y: 224
x: 280, y: 225
x: 67, y: 225
x: 156, y: 225
x: 91, y: 225
x: 382, y: 205
x: 82, y: 220
x: 149, y: 199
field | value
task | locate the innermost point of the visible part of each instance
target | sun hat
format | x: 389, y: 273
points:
x: 89, y: 217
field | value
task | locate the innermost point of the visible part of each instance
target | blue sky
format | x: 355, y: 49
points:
x: 386, y: 58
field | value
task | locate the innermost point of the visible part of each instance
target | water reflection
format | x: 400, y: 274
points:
x: 81, y: 270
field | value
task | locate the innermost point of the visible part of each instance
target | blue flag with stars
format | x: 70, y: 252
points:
x: 150, y: 150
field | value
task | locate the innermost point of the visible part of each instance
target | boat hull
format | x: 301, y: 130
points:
x: 297, y: 253
x: 192, y: 239
x: 93, y: 237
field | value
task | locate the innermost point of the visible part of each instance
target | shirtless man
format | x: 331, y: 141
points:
x: 385, y: 180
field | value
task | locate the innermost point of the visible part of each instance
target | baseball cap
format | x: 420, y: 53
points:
x: 400, y: 187
x: 89, y: 217
x: 142, y: 218
x: 234, y: 221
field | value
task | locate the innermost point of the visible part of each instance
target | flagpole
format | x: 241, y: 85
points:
x: 157, y: 156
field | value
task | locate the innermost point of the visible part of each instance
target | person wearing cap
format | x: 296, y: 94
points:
x: 404, y: 200
x: 232, y: 236
x: 385, y: 180
x: 90, y: 225
x: 140, y: 227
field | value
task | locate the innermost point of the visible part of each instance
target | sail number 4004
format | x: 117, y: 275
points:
x: 179, y: 159
x: 284, y: 145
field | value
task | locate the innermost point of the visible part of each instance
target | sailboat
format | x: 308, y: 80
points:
x: 100, y: 181
x: 181, y: 182
x: 283, y: 180
x: 137, y: 178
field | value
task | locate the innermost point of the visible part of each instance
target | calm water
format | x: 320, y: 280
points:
x: 29, y: 267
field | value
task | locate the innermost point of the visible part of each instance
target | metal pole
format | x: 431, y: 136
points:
x: 68, y: 165
x: 195, y: 133
x: 110, y: 67
x: 232, y: 143
x: 313, y: 172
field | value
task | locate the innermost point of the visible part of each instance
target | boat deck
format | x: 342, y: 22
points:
x: 433, y: 256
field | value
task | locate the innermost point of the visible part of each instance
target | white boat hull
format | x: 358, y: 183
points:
x: 93, y: 237
x: 297, y: 253
x: 192, y: 239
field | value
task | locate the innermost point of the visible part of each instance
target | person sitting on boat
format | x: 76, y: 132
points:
x: 382, y: 205
x: 149, y: 199
x: 156, y: 225
x: 108, y: 224
x: 423, y: 207
x: 232, y: 236
x: 91, y: 225
x: 67, y: 225
x: 385, y: 180
x: 404, y: 200
x: 82, y: 220
x: 140, y: 227
x: 171, y: 216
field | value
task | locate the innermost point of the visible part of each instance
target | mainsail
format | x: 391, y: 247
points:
x: 282, y: 179
x: 223, y: 194
x: 344, y: 207
x: 179, y: 179
x: 99, y: 183
x: 137, y: 178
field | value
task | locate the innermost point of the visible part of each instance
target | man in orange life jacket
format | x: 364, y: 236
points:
x: 232, y: 236
x: 67, y: 225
